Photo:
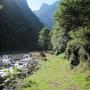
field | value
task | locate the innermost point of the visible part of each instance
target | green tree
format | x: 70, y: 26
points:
x: 73, y: 18
x: 72, y: 14
x: 1, y: 5
x: 44, y: 39
x: 80, y: 39
x: 58, y: 38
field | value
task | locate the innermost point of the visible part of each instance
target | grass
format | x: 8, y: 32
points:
x: 55, y: 74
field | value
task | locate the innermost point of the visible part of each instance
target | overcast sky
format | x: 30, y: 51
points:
x: 36, y: 4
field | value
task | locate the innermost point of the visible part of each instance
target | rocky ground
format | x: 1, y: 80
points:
x: 15, y: 66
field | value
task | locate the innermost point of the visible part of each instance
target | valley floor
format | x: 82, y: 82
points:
x: 55, y: 74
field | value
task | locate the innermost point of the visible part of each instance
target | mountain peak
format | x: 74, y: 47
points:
x: 45, y: 14
x: 44, y: 5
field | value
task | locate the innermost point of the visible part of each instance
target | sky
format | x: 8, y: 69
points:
x: 36, y: 4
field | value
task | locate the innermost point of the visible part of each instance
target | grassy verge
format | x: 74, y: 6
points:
x: 55, y: 74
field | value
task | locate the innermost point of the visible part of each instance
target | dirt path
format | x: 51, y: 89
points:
x: 65, y: 78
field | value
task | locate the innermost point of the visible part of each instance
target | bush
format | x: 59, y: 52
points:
x: 79, y: 45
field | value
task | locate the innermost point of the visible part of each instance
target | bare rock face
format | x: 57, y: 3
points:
x: 19, y: 27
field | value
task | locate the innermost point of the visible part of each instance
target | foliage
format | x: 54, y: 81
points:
x: 72, y: 14
x: 44, y: 39
x: 80, y: 41
x: 58, y: 38
x: 73, y: 20
x: 79, y: 38
x: 1, y: 5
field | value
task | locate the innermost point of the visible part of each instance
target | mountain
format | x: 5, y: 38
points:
x: 19, y: 26
x: 45, y: 14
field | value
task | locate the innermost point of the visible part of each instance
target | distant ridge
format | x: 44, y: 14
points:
x: 45, y: 14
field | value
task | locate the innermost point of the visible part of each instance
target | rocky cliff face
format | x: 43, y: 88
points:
x: 19, y: 26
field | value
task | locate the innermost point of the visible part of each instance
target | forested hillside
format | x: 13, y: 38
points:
x: 19, y: 27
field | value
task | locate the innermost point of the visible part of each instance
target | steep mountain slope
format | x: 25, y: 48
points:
x: 46, y: 13
x: 19, y: 27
